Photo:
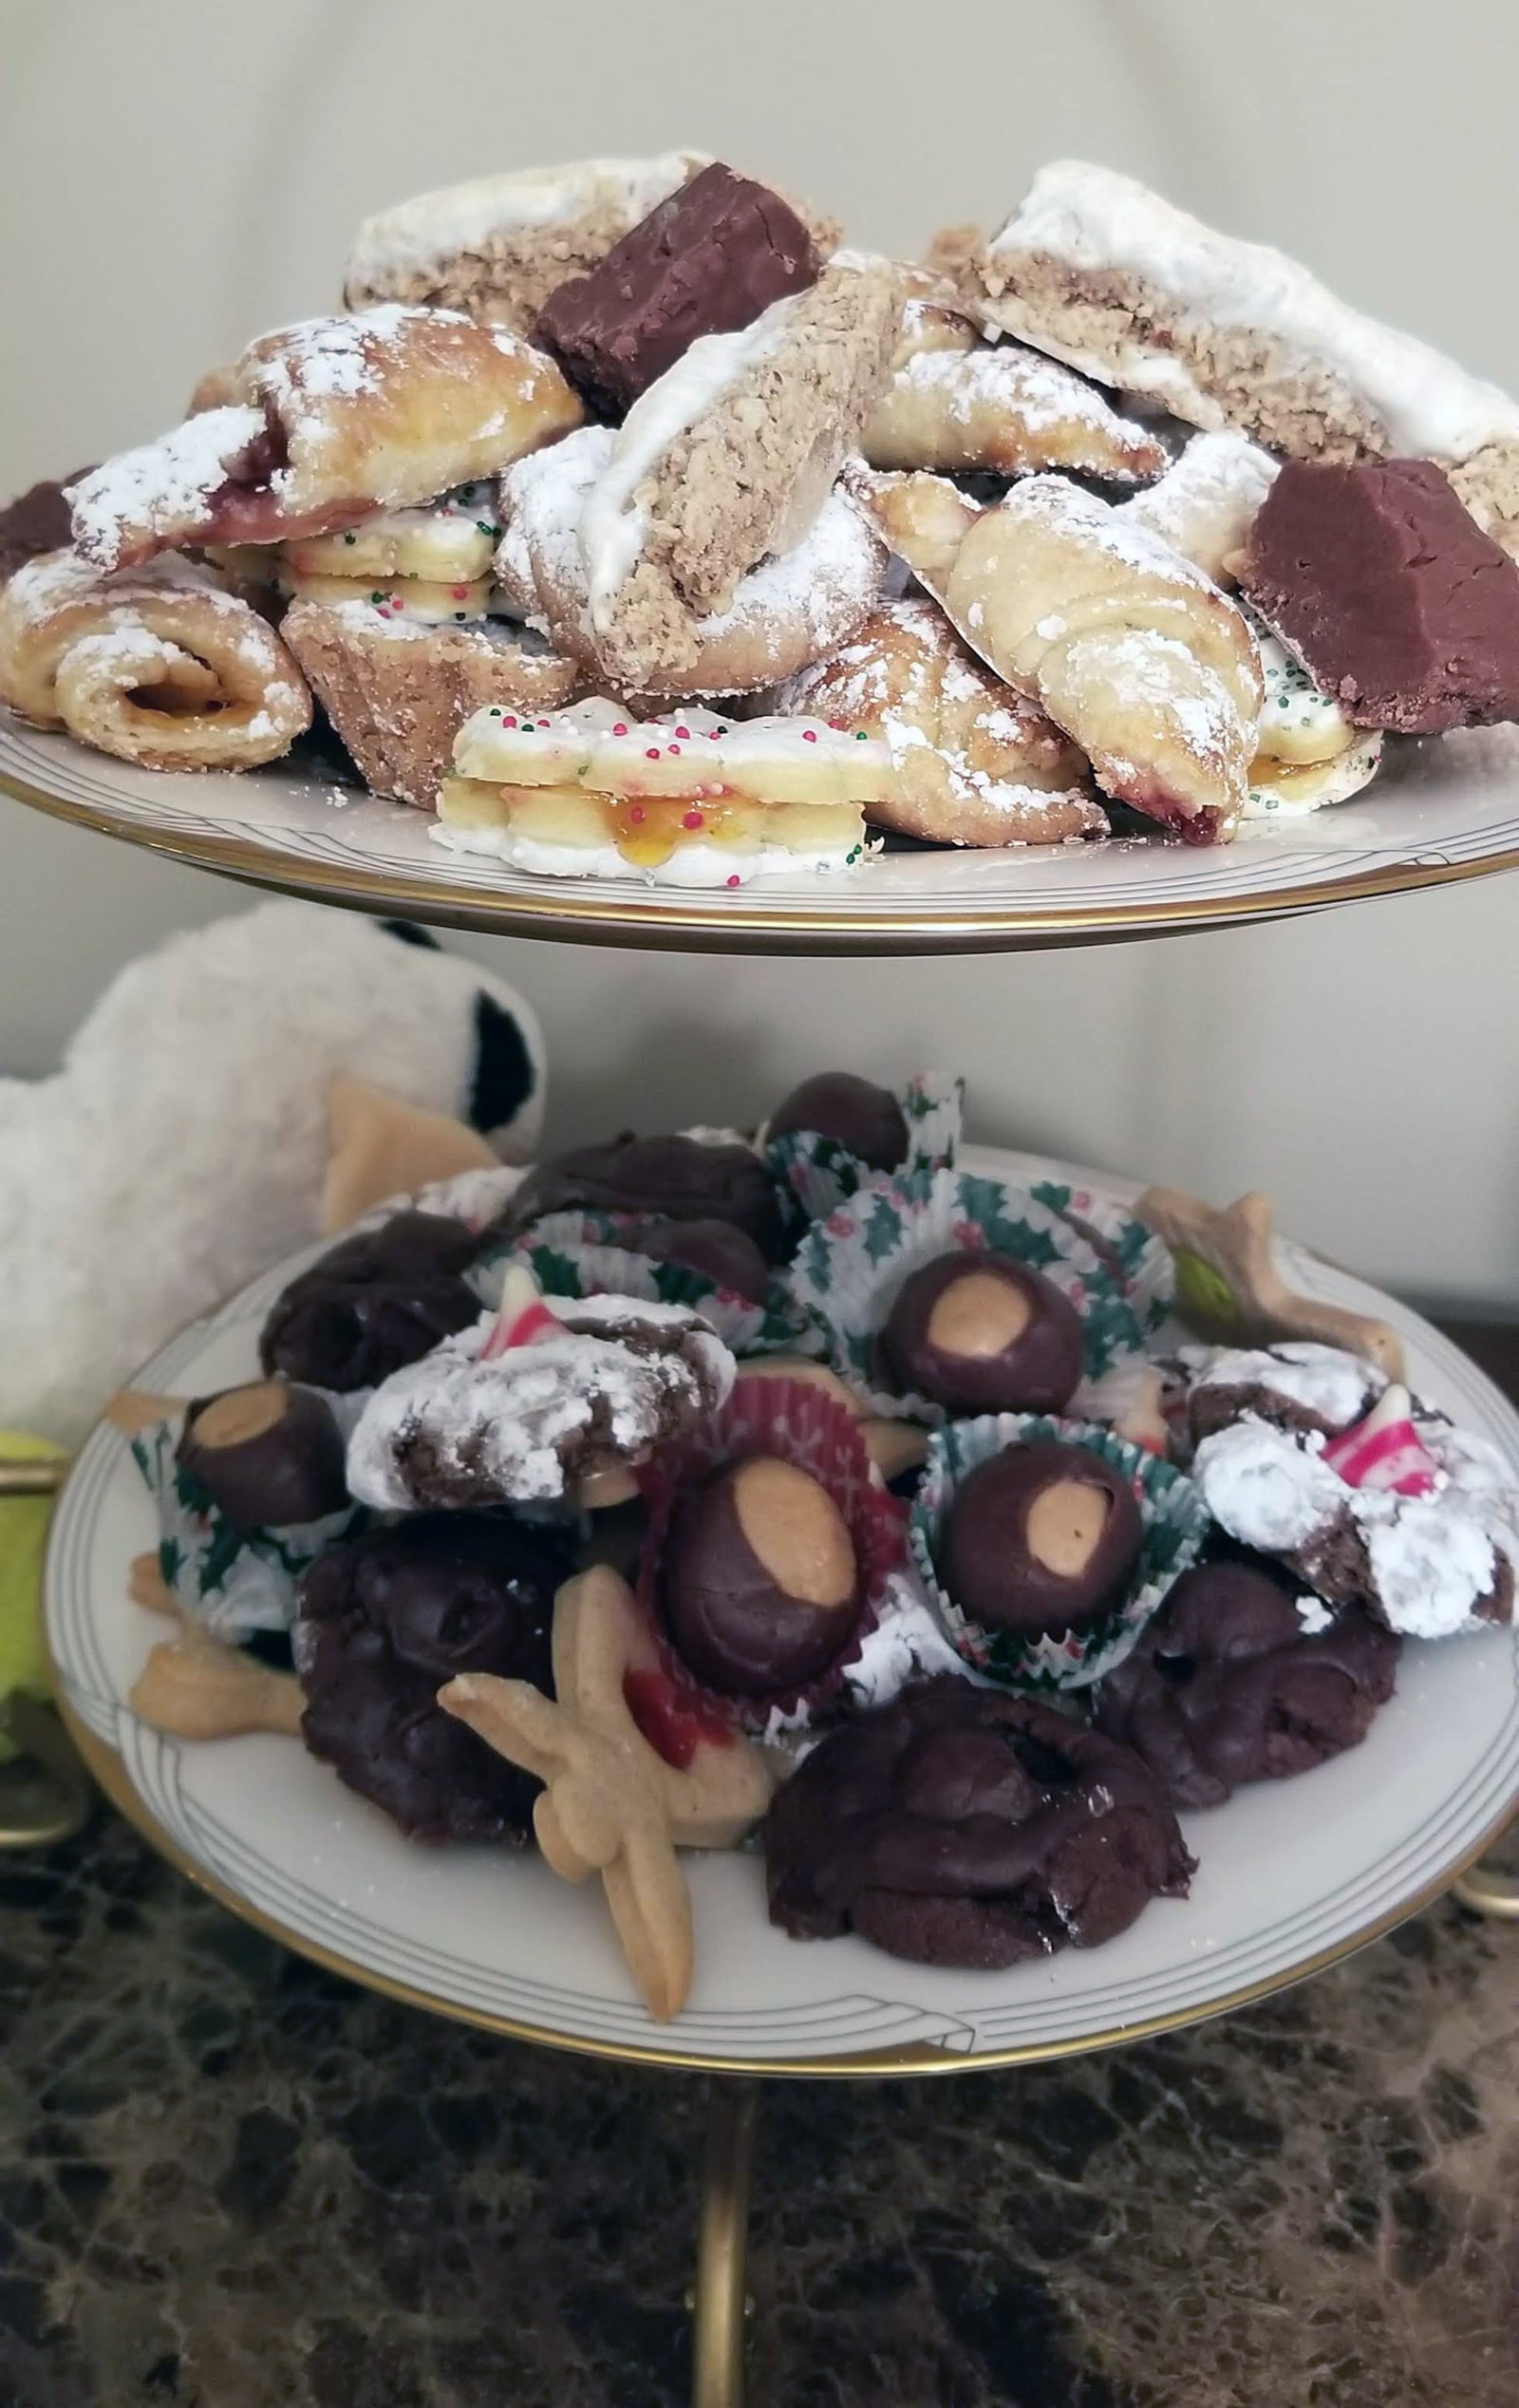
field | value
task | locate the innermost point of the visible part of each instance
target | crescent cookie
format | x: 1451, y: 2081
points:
x: 158, y: 666
x: 1204, y: 504
x: 334, y: 418
x: 497, y: 247
x: 1111, y: 279
x: 1003, y: 408
x: 974, y: 763
x: 782, y: 615
x: 398, y: 691
x: 726, y: 458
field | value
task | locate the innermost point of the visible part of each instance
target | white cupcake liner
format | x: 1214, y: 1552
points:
x: 1143, y: 1261
x: 850, y: 1268
x: 1171, y: 1508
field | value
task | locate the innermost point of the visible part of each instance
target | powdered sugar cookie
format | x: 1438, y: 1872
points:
x: 1204, y: 503
x: 789, y: 611
x: 973, y: 761
x: 1003, y: 408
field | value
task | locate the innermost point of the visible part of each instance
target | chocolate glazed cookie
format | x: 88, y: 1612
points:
x: 384, y: 1621
x: 378, y: 1300
x: 962, y: 1827
x: 1229, y: 1685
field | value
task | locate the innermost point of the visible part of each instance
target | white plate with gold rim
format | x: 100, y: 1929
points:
x: 1292, y: 1874
x: 1441, y: 811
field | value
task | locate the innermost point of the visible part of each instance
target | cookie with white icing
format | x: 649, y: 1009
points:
x: 1114, y: 281
x: 791, y: 610
x: 497, y: 247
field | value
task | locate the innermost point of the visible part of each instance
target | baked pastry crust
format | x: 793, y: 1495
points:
x: 335, y: 418
x: 398, y: 691
x: 91, y: 653
x: 1001, y: 408
x: 974, y: 761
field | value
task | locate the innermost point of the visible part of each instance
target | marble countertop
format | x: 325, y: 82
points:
x: 229, y: 2180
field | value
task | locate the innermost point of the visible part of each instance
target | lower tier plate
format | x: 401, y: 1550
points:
x: 1292, y: 1874
x: 1442, y: 811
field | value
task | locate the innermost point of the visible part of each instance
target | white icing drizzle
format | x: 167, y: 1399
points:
x: 1093, y: 218
x: 614, y: 522
x: 414, y: 235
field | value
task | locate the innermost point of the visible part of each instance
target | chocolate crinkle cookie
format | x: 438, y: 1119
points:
x: 962, y: 1827
x: 383, y: 1622
x: 1241, y: 1677
x: 669, y: 1178
x: 380, y: 1298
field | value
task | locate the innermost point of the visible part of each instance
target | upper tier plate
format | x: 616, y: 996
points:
x: 1444, y: 810
x: 1292, y: 1874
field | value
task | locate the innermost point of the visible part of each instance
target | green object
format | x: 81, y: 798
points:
x: 22, y: 1538
x: 1204, y: 1295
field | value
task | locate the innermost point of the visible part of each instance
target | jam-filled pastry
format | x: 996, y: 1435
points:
x: 1127, y: 647
x: 1205, y: 503
x: 398, y: 691
x: 694, y: 797
x: 725, y: 458
x: 530, y: 1401
x: 496, y: 248
x: 1003, y: 408
x: 782, y: 615
x: 158, y: 666
x: 335, y: 418
x: 1113, y: 280
x: 973, y: 761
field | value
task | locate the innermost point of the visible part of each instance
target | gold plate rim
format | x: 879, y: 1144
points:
x: 914, y: 2058
x: 583, y: 916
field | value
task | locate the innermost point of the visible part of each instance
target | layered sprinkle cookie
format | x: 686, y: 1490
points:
x: 1309, y: 754
x: 959, y: 1827
x: 973, y: 761
x: 432, y: 562
x: 789, y: 611
x: 534, y: 1400
x: 497, y: 247
x: 726, y: 458
x: 694, y: 798
x: 1109, y: 277
x: 1399, y: 1511
x: 397, y: 689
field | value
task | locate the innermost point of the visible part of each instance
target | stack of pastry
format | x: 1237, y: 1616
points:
x: 1106, y: 510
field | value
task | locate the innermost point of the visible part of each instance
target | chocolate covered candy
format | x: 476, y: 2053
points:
x: 384, y: 1622
x: 705, y: 261
x: 866, y: 1119
x: 268, y: 1456
x: 716, y: 1250
x: 672, y: 1178
x: 962, y: 1827
x: 759, y: 1581
x: 981, y: 1333
x: 1386, y: 588
x: 1040, y: 1539
x: 380, y: 1299
x: 1241, y: 1678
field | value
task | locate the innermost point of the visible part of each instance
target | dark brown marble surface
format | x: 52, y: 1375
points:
x: 228, y: 2180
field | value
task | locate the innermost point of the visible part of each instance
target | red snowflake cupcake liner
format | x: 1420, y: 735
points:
x: 805, y: 1427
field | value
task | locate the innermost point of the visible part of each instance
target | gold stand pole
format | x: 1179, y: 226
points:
x: 44, y: 1790
x: 723, y: 2243
x: 1488, y: 1892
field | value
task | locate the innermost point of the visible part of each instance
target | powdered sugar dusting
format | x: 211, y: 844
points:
x: 160, y: 490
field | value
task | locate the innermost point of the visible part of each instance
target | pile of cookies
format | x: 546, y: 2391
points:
x: 632, y: 527
x: 799, y: 1488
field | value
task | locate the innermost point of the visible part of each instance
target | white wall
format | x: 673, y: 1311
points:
x: 174, y: 174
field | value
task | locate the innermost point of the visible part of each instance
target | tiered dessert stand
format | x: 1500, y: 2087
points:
x: 1294, y: 1874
